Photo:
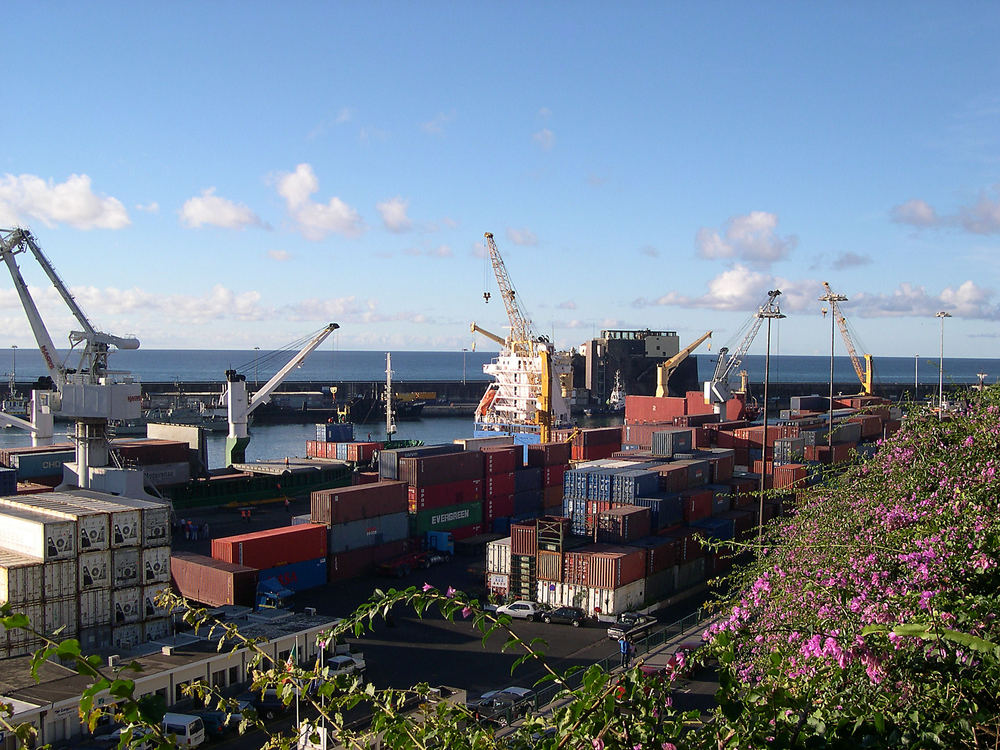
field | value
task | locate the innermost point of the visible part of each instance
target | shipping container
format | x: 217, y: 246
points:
x: 528, y: 503
x: 335, y: 432
x: 388, y: 460
x: 592, y: 600
x: 614, y: 566
x: 60, y: 613
x: 498, y: 484
x: 641, y: 435
x: 20, y: 578
x: 549, y: 454
x: 125, y: 520
x: 367, y: 532
x: 39, y: 465
x: 661, y: 585
x: 668, y: 442
x: 552, y: 498
x: 8, y: 481
x: 696, y: 504
x: 126, y: 606
x: 125, y: 637
x: 640, y: 409
x: 524, y: 539
x: 212, y: 582
x: 528, y: 478
x: 687, y: 544
x: 690, y: 573
x: 498, y: 556
x: 159, y: 629
x: 623, y: 524
x: 37, y: 535
x: 485, y: 443
x: 501, y: 460
x: 549, y: 566
x: 355, y: 503
x: 362, y: 561
x: 155, y: 565
x: 498, y: 507
x: 92, y: 525
x: 60, y: 578
x: 498, y: 584
x: 126, y: 567
x: 95, y: 609
x: 431, y: 496
x: 445, y: 519
x: 300, y: 576
x: 661, y: 552
x: 272, y: 547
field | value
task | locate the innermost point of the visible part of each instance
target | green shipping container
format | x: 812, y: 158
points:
x: 444, y: 519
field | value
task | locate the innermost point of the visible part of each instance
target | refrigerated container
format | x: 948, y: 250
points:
x: 125, y: 568
x: 498, y: 556
x: 92, y: 525
x: 95, y: 609
x: 126, y: 606
x: 37, y: 535
x: 157, y: 630
x: 21, y: 578
x: 60, y: 613
x: 60, y: 578
x: 592, y: 600
x: 150, y: 607
x: 126, y: 637
x: 155, y: 565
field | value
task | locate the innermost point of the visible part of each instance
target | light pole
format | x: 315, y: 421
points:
x: 464, y: 350
x: 770, y: 311
x: 982, y: 378
x: 255, y: 364
x: 832, y: 299
x: 941, y: 315
x: 916, y: 394
x: 13, y: 369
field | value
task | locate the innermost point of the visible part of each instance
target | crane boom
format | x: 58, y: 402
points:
x: 491, y: 336
x: 665, y: 369
x: 864, y: 374
x: 521, y: 336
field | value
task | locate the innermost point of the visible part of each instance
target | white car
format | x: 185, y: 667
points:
x: 346, y: 664
x: 521, y: 610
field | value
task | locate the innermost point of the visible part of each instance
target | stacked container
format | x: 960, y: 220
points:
x: 498, y: 558
x: 294, y: 555
x: 499, y: 464
x: 361, y: 517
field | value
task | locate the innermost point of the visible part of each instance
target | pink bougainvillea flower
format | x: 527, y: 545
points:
x: 427, y: 587
x: 450, y: 593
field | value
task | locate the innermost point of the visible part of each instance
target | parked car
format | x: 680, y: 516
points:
x: 113, y: 738
x: 567, y: 615
x: 521, y: 610
x: 631, y: 625
x: 345, y: 664
x: 268, y: 705
x: 502, y: 707
x: 218, y: 724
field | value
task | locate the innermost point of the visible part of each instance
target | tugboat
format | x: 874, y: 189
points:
x: 616, y: 399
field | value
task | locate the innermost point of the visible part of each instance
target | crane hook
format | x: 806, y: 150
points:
x: 486, y: 296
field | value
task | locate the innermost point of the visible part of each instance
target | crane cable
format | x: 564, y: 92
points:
x: 267, y: 358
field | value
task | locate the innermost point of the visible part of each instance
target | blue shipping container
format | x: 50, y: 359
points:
x: 716, y: 528
x: 8, y: 482
x: 335, y: 432
x: 34, y: 465
x: 299, y: 576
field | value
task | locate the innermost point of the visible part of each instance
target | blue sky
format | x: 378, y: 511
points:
x: 236, y: 174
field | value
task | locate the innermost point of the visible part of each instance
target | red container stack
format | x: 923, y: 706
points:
x: 272, y: 547
x: 696, y: 504
x: 623, y: 524
x: 501, y: 460
x: 346, y: 504
x: 420, y: 471
x: 612, y: 567
x: 428, y: 497
x: 642, y: 409
x: 548, y: 454
x: 362, y: 561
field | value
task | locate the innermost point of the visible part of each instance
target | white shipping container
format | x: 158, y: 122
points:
x: 92, y: 639
x: 37, y: 535
x: 498, y: 583
x: 94, y: 570
x: 20, y: 578
x: 92, y: 525
x: 591, y: 600
x: 150, y: 609
x: 60, y: 579
x: 155, y: 565
x: 127, y: 606
x: 477, y: 444
x: 125, y: 568
x: 61, y: 613
x: 498, y: 556
x: 154, y: 517
x: 95, y: 608
x: 157, y: 630
x: 165, y: 475
x: 124, y: 521
x: 36, y: 618
x: 126, y: 636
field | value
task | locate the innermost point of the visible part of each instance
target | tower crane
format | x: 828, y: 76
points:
x: 240, y: 406
x: 665, y: 369
x: 865, y: 375
x: 88, y: 393
x: 718, y: 390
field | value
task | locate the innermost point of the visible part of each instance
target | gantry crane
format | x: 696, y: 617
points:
x: 665, y: 369
x: 521, y: 340
x: 718, y: 390
x: 865, y: 375
x: 240, y: 406
x: 88, y: 393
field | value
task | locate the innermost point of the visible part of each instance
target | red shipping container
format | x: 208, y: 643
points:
x: 311, y: 449
x: 594, y: 452
x: 465, y: 532
x: 442, y: 495
x: 642, y: 434
x: 272, y: 547
x: 741, y: 456
x: 552, y: 476
x: 366, y: 477
x: 419, y: 471
x: 613, y: 566
x: 673, y: 477
x: 640, y: 409
x: 688, y: 547
x: 576, y: 567
x: 600, y: 436
x: 501, y: 460
x: 498, y: 484
x: 354, y: 503
x: 362, y: 561
x: 500, y: 506
x: 361, y: 452
x: 623, y: 524
x: 696, y: 504
x: 743, y: 490
x: 212, y: 582
x: 523, y: 539
x: 552, y: 497
x: 548, y: 454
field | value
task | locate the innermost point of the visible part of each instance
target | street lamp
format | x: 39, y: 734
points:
x: 832, y: 299
x: 13, y: 369
x: 769, y: 311
x: 255, y: 365
x: 941, y: 315
x: 464, y: 350
x: 916, y: 394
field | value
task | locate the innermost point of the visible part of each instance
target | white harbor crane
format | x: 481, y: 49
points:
x: 717, y: 390
x: 240, y: 406
x: 88, y: 393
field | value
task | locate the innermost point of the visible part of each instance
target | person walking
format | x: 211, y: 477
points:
x: 288, y: 505
x: 624, y: 647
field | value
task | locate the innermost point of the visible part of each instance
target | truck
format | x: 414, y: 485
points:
x: 632, y: 625
x: 272, y: 595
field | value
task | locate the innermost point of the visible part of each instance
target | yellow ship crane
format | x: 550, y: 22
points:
x: 488, y: 334
x: 865, y: 375
x: 665, y: 369
x: 521, y: 337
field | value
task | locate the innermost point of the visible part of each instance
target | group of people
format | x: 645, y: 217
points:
x: 627, y: 650
x: 191, y: 529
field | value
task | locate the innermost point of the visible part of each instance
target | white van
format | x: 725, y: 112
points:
x: 189, y: 730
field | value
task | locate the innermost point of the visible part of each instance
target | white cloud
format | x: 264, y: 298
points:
x: 72, y: 202
x: 436, y: 125
x: 545, y: 139
x: 393, y: 212
x: 567, y: 305
x: 316, y: 220
x: 915, y: 212
x: 751, y: 238
x: 965, y: 301
x: 441, y: 251
x: 346, y: 114
x: 209, y: 209
x: 152, y: 207
x: 521, y: 236
x: 981, y: 217
x: 279, y: 255
x: 850, y: 260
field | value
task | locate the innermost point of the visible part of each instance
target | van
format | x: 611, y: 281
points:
x: 189, y: 730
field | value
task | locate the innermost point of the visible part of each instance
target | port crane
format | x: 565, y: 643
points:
x: 866, y: 374
x: 718, y: 390
x: 88, y: 393
x: 665, y: 369
x: 239, y: 405
x: 528, y: 387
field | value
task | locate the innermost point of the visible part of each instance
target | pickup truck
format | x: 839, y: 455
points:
x: 631, y: 625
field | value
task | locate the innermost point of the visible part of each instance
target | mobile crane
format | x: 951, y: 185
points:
x: 865, y: 375
x: 665, y: 369
x: 88, y: 393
